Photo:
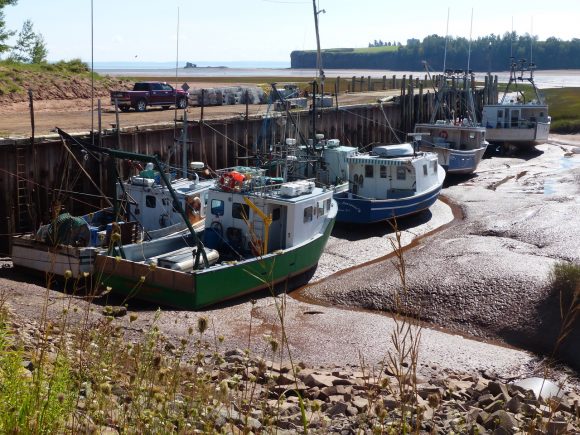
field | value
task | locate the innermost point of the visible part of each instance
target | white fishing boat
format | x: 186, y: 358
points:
x: 456, y: 136
x: 517, y: 119
x: 390, y: 182
x: 146, y: 210
x: 257, y: 234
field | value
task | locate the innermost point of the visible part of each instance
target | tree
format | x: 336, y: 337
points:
x: 39, y: 50
x: 30, y: 47
x: 4, y: 33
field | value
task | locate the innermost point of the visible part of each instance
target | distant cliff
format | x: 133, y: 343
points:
x: 486, y: 53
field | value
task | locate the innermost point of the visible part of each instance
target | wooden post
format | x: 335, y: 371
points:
x: 384, y: 83
x: 246, y: 130
x: 369, y: 84
x: 202, y: 152
x: 394, y: 82
x: 362, y: 80
x: 420, y: 108
x: 353, y: 84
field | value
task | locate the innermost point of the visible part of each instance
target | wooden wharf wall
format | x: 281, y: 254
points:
x: 31, y: 175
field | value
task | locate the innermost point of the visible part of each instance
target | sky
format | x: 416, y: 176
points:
x: 268, y: 30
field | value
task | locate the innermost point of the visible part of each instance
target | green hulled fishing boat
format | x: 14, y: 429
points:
x: 259, y: 232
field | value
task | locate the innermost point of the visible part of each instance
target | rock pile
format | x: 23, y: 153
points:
x: 254, y: 395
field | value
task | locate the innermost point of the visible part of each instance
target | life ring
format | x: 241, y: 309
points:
x: 443, y: 134
x: 231, y: 181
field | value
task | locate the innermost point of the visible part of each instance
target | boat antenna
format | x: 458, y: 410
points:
x: 446, y: 39
x: 175, y: 102
x: 93, y: 81
x: 512, y: 40
x: 319, y: 71
x: 532, y: 42
x: 469, y: 46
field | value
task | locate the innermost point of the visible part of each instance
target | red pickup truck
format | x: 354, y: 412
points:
x: 149, y: 94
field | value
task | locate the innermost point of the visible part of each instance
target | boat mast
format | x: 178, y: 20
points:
x: 319, y: 71
x: 318, y: 83
x: 446, y: 39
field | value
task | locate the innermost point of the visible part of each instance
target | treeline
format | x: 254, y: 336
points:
x: 29, y: 46
x: 489, y: 53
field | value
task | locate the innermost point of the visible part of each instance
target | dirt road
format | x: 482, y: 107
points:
x: 75, y: 115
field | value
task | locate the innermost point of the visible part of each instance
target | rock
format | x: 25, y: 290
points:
x: 557, y: 427
x: 284, y: 379
x: 28, y: 365
x: 337, y: 408
x: 501, y: 420
x: 514, y: 404
x: 485, y: 400
x: 424, y: 390
x: 497, y: 388
x: 360, y: 404
x: 314, y: 380
x: 496, y: 405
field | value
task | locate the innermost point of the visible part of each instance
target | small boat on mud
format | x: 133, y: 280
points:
x: 516, y: 119
x: 390, y: 182
x: 145, y: 211
x: 457, y: 138
x: 257, y: 234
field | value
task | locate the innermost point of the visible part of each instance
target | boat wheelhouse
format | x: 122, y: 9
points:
x: 453, y: 132
x: 517, y: 119
x: 390, y: 182
x: 459, y: 146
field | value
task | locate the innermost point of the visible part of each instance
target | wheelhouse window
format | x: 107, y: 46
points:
x: 383, y: 171
x: 150, y: 201
x: 401, y: 173
x: 369, y: 169
x: 240, y: 211
x: 328, y: 204
x: 217, y: 207
x: 424, y: 169
x: 276, y: 214
x: 308, y: 214
x: 434, y: 163
x: 320, y: 208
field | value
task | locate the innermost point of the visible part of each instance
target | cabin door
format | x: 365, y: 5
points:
x: 515, y: 118
x: 276, y: 238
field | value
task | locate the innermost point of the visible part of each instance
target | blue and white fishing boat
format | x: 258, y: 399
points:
x: 457, y: 138
x: 390, y: 182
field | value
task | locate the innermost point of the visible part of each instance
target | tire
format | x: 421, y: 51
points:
x: 141, y: 105
x: 125, y: 108
x: 182, y: 103
x: 165, y: 107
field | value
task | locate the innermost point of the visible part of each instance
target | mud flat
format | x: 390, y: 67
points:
x: 483, y: 277
x: 488, y: 276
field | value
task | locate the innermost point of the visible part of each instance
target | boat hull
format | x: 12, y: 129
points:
x: 192, y: 291
x: 456, y: 161
x: 519, y: 137
x: 364, y: 210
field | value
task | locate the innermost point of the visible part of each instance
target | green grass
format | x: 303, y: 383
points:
x: 39, y: 403
x: 564, y: 109
x: 385, y: 48
x: 13, y: 75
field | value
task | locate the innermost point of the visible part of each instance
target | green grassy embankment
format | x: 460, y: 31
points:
x: 60, y: 80
x: 564, y: 104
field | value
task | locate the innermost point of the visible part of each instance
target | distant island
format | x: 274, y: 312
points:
x: 488, y: 53
x: 193, y: 65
